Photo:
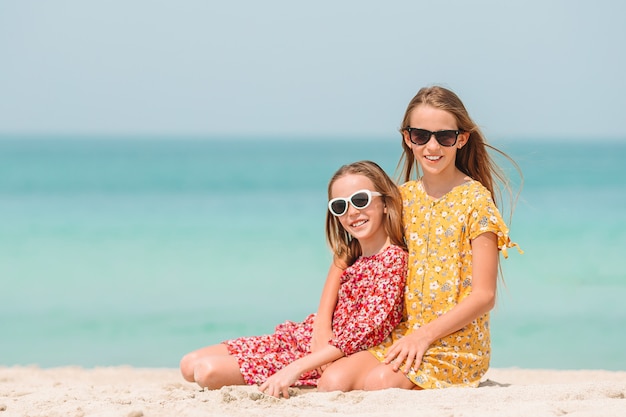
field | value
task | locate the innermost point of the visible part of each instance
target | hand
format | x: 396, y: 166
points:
x: 279, y: 383
x: 410, y: 350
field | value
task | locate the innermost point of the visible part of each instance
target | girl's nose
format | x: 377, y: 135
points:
x: 432, y: 142
x: 352, y: 210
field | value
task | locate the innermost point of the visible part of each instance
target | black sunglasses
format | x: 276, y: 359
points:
x: 359, y: 200
x: 422, y: 136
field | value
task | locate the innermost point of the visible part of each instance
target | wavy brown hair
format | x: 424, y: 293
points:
x: 346, y: 250
x: 473, y: 159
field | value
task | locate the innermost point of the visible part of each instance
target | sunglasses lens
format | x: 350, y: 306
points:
x: 446, y: 137
x: 419, y: 136
x: 338, y: 207
x: 360, y: 200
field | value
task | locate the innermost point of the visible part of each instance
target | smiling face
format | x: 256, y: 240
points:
x: 366, y: 224
x: 433, y: 158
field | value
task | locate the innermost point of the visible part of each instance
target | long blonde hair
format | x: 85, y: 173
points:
x: 473, y: 159
x: 346, y: 249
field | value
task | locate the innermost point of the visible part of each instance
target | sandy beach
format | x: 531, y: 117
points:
x: 136, y: 392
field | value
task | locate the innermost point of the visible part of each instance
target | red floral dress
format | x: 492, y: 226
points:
x: 369, y: 306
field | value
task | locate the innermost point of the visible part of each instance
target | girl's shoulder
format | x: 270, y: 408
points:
x: 475, y: 186
x: 395, y: 250
x: 411, y: 189
x: 392, y: 255
x: 475, y: 189
x: 409, y: 185
x: 391, y: 250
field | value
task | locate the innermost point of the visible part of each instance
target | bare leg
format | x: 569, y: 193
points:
x: 211, y: 367
x: 383, y: 376
x: 349, y: 373
x: 188, y: 362
x: 362, y: 371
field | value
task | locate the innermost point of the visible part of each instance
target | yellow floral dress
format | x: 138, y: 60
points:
x: 439, y: 234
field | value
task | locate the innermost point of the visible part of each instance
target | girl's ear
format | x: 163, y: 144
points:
x: 463, y: 139
x: 405, y: 136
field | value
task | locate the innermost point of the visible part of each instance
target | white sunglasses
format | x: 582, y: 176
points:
x: 359, y: 200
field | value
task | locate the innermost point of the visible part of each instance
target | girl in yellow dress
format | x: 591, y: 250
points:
x: 454, y: 233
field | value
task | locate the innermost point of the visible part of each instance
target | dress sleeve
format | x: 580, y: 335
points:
x: 485, y: 217
x: 376, y: 308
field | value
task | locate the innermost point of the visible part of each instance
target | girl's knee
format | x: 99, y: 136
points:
x: 187, y: 364
x: 383, y: 377
x: 376, y: 379
x: 214, y: 372
x: 205, y: 375
x: 332, y: 380
x: 346, y: 374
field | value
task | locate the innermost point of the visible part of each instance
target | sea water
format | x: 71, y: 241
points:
x: 134, y: 251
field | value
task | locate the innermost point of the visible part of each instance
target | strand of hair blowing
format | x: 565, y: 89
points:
x: 486, y: 171
x: 475, y: 150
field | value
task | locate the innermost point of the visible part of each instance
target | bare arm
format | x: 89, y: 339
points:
x: 322, y: 328
x: 481, y: 299
x: 280, y: 382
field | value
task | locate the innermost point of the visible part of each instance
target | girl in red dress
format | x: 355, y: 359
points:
x: 361, y: 301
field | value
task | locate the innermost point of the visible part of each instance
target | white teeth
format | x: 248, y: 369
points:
x: 432, y: 158
x: 357, y: 224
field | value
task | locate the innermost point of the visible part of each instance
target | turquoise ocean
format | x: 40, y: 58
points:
x: 134, y: 251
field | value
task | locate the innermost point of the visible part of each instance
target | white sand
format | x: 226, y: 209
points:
x: 136, y: 392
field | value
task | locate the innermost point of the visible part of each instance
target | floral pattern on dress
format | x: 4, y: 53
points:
x: 369, y: 307
x: 439, y: 234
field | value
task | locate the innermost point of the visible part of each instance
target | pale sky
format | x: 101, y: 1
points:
x: 524, y: 69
